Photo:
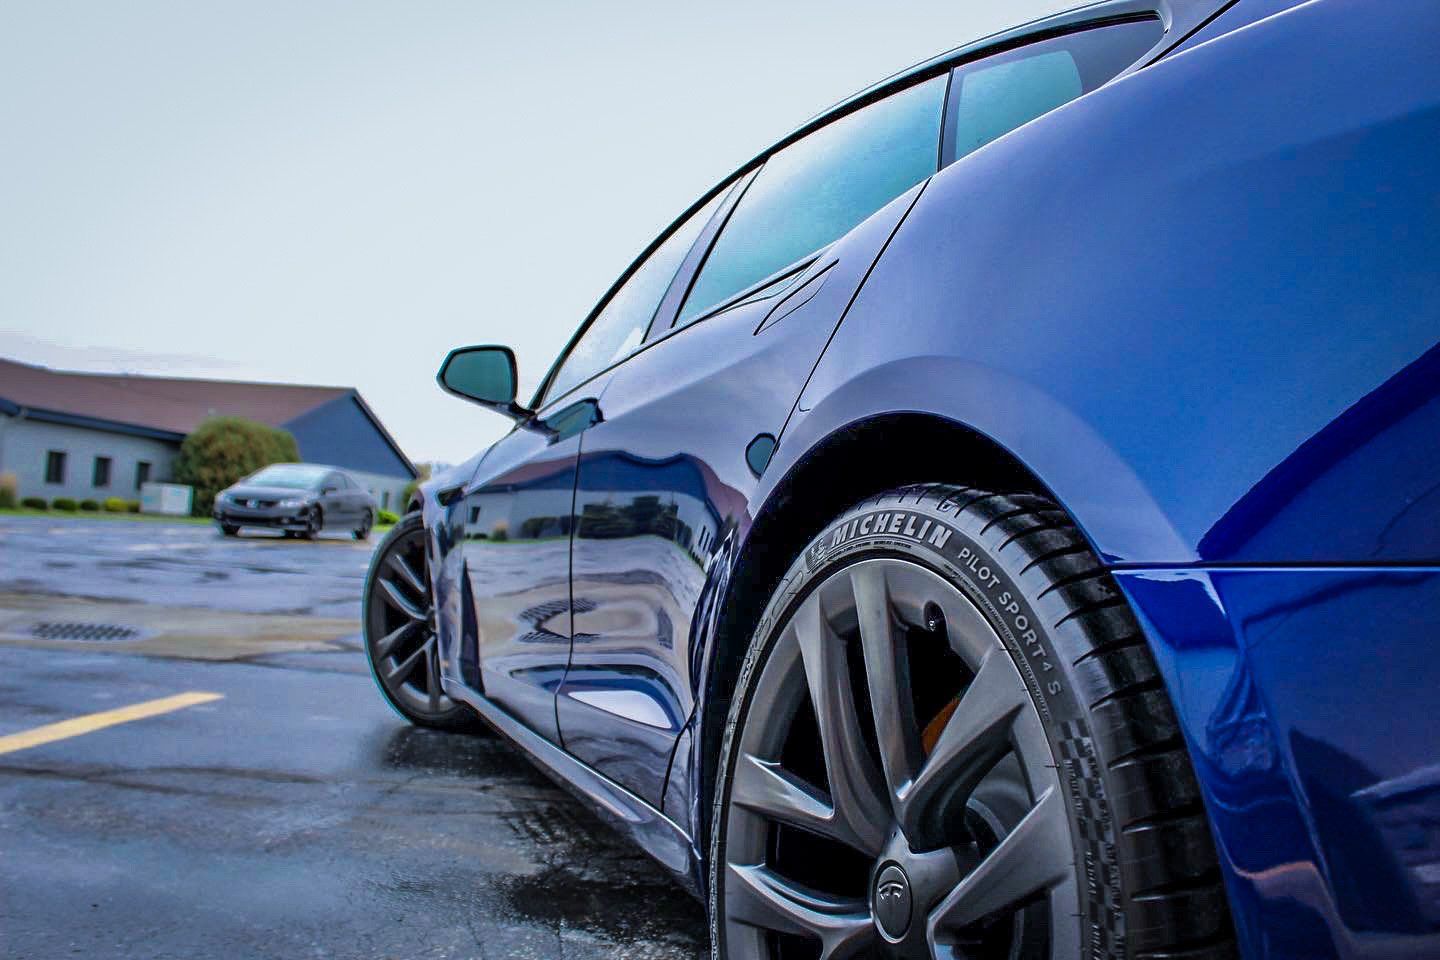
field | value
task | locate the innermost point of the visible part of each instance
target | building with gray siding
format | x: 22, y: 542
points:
x: 91, y: 436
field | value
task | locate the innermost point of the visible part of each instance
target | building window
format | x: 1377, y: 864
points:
x: 385, y: 500
x: 55, y: 466
x: 142, y: 474
x: 102, y: 472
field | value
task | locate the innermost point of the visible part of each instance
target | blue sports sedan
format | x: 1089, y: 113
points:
x: 1002, y: 520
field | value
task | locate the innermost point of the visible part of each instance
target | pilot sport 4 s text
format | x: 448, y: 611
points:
x: 1003, y: 519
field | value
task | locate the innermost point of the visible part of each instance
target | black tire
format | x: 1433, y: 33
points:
x: 314, y: 523
x: 229, y: 529
x: 400, y: 642
x: 362, y: 532
x: 1147, y: 884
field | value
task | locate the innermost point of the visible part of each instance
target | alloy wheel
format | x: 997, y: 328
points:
x: 400, y: 612
x: 893, y: 791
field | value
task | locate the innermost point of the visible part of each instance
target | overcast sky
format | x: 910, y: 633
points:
x: 339, y: 192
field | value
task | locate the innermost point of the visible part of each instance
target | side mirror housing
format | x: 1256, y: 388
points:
x: 485, y: 375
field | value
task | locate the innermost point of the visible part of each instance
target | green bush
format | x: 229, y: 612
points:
x: 385, y: 516
x: 116, y: 505
x: 64, y: 503
x: 90, y: 506
x: 224, y: 449
x: 34, y: 503
x: 9, y: 491
x: 132, y: 506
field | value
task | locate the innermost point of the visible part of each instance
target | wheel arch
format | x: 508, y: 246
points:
x: 856, y: 460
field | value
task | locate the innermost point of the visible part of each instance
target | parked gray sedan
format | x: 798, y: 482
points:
x: 300, y: 498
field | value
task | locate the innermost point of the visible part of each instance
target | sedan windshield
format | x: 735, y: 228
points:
x: 294, y: 476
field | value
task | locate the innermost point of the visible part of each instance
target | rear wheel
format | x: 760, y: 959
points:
x: 400, y: 637
x: 367, y: 521
x: 949, y: 740
x: 314, y: 523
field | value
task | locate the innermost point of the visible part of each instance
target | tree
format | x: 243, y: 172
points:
x: 223, y: 449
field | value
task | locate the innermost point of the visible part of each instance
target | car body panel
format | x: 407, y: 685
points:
x: 511, y: 519
x: 663, y: 481
x: 1199, y: 306
x: 1297, y: 690
x: 1195, y: 400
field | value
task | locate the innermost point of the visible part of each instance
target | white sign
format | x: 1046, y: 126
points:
x: 172, y: 499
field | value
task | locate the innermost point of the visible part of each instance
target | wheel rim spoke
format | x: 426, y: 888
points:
x: 886, y: 671
x: 764, y: 787
x: 856, y: 790
x: 1031, y: 859
x: 386, y: 644
x: 406, y: 573
x: 974, y: 819
x: 759, y: 897
x: 399, y: 601
x: 975, y: 737
x: 406, y: 667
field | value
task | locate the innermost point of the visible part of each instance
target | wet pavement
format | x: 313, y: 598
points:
x: 294, y: 817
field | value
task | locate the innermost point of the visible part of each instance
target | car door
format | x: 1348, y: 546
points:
x: 515, y: 512
x: 333, y: 502
x: 689, y: 422
x: 349, y: 496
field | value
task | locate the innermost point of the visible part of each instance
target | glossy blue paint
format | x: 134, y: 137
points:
x: 1206, y: 330
x: 1304, y: 696
x: 663, y: 481
x: 1200, y: 306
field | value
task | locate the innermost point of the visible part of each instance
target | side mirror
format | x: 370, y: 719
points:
x: 483, y: 375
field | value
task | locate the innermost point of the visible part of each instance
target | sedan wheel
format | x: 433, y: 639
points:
x: 915, y: 767
x: 400, y: 631
x: 362, y: 532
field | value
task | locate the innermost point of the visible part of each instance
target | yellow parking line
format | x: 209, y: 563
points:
x: 99, y: 721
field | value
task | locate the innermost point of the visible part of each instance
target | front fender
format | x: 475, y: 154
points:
x: 1051, y: 440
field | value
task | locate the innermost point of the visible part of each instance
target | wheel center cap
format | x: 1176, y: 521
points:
x: 892, y: 902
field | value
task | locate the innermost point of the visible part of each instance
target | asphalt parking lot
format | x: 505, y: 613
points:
x: 287, y: 814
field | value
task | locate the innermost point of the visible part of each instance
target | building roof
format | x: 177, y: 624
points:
x: 161, y: 407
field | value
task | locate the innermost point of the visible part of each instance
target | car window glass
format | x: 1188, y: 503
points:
x: 994, y: 95
x: 818, y: 188
x: 292, y: 475
x: 620, y: 326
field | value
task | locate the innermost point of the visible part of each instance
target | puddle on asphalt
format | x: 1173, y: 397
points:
x: 591, y: 879
x: 481, y: 755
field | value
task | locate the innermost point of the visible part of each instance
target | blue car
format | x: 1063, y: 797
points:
x: 1003, y: 519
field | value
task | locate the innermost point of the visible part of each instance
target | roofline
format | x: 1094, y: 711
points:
x: 385, y: 434
x: 163, y: 379
x: 42, y: 415
x: 1064, y: 22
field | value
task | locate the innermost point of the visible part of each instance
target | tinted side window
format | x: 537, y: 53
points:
x: 816, y: 189
x: 620, y: 326
x: 994, y: 95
